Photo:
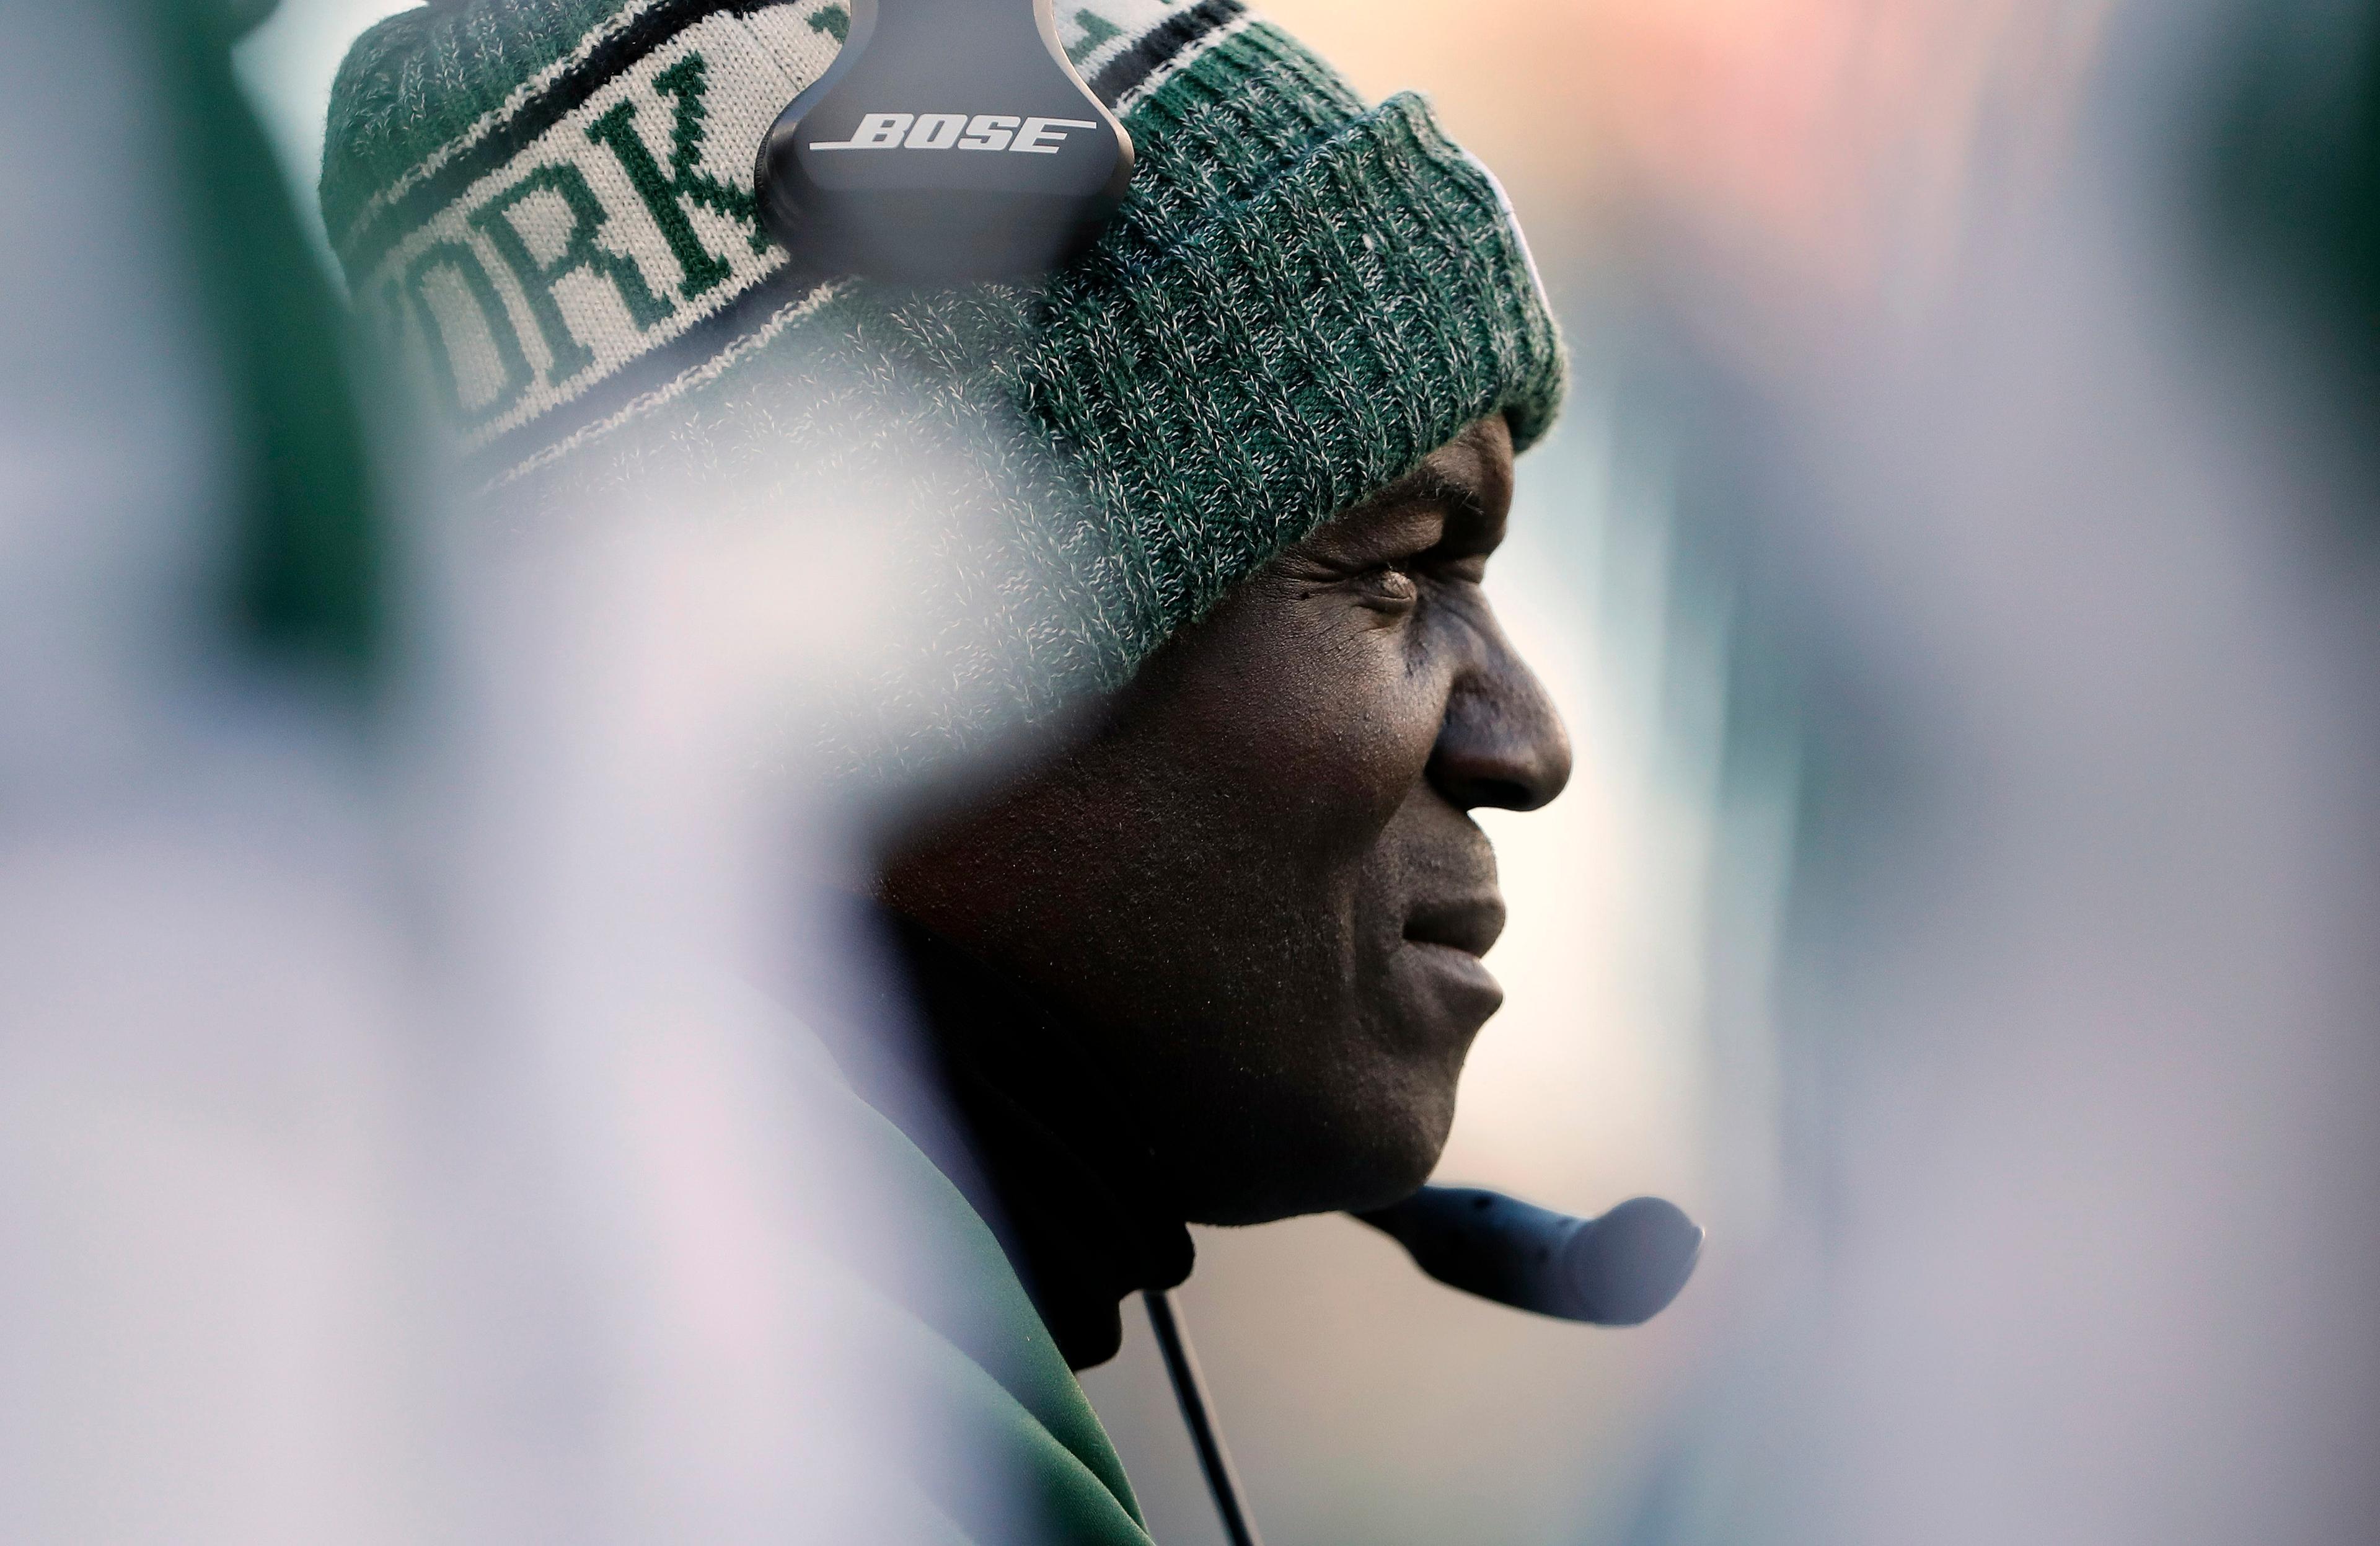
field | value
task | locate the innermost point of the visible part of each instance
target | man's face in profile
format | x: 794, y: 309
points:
x: 1257, y: 889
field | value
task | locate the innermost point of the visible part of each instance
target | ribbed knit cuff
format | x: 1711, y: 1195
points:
x: 1243, y: 359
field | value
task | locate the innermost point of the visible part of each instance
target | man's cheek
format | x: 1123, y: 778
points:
x: 1362, y: 734
x: 1390, y: 727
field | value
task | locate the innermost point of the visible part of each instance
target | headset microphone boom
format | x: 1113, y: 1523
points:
x: 1618, y: 1268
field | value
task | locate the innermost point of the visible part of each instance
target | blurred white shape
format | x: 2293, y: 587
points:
x: 197, y: 1316
x: 407, y: 1129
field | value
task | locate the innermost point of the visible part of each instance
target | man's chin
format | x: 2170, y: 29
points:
x: 1444, y: 996
x: 1373, y: 1140
x: 1391, y: 1182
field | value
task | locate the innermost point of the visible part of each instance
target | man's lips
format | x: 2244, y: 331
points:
x: 1470, y: 925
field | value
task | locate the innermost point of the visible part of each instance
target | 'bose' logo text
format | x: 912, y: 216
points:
x: 955, y: 131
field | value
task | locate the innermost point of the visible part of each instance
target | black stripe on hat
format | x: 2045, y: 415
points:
x: 1160, y: 45
x: 651, y: 371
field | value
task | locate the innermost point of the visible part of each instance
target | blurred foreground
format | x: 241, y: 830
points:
x: 1959, y: 575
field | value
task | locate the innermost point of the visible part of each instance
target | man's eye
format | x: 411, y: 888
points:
x: 1388, y: 587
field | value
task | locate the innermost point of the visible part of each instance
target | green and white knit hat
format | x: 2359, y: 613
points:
x: 543, y: 208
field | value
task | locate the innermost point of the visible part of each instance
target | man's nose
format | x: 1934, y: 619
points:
x: 1502, y: 743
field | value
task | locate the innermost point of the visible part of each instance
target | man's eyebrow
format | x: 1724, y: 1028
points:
x: 1434, y: 486
x: 1460, y: 512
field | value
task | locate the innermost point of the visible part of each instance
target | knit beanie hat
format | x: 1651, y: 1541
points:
x: 544, y: 208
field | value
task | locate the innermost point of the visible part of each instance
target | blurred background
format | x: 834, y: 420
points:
x: 1957, y: 569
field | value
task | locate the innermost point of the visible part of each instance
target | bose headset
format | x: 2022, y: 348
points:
x: 950, y: 140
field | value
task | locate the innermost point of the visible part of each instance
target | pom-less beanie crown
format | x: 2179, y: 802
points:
x: 543, y: 208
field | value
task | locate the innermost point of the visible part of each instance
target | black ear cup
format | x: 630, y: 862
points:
x: 950, y: 140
